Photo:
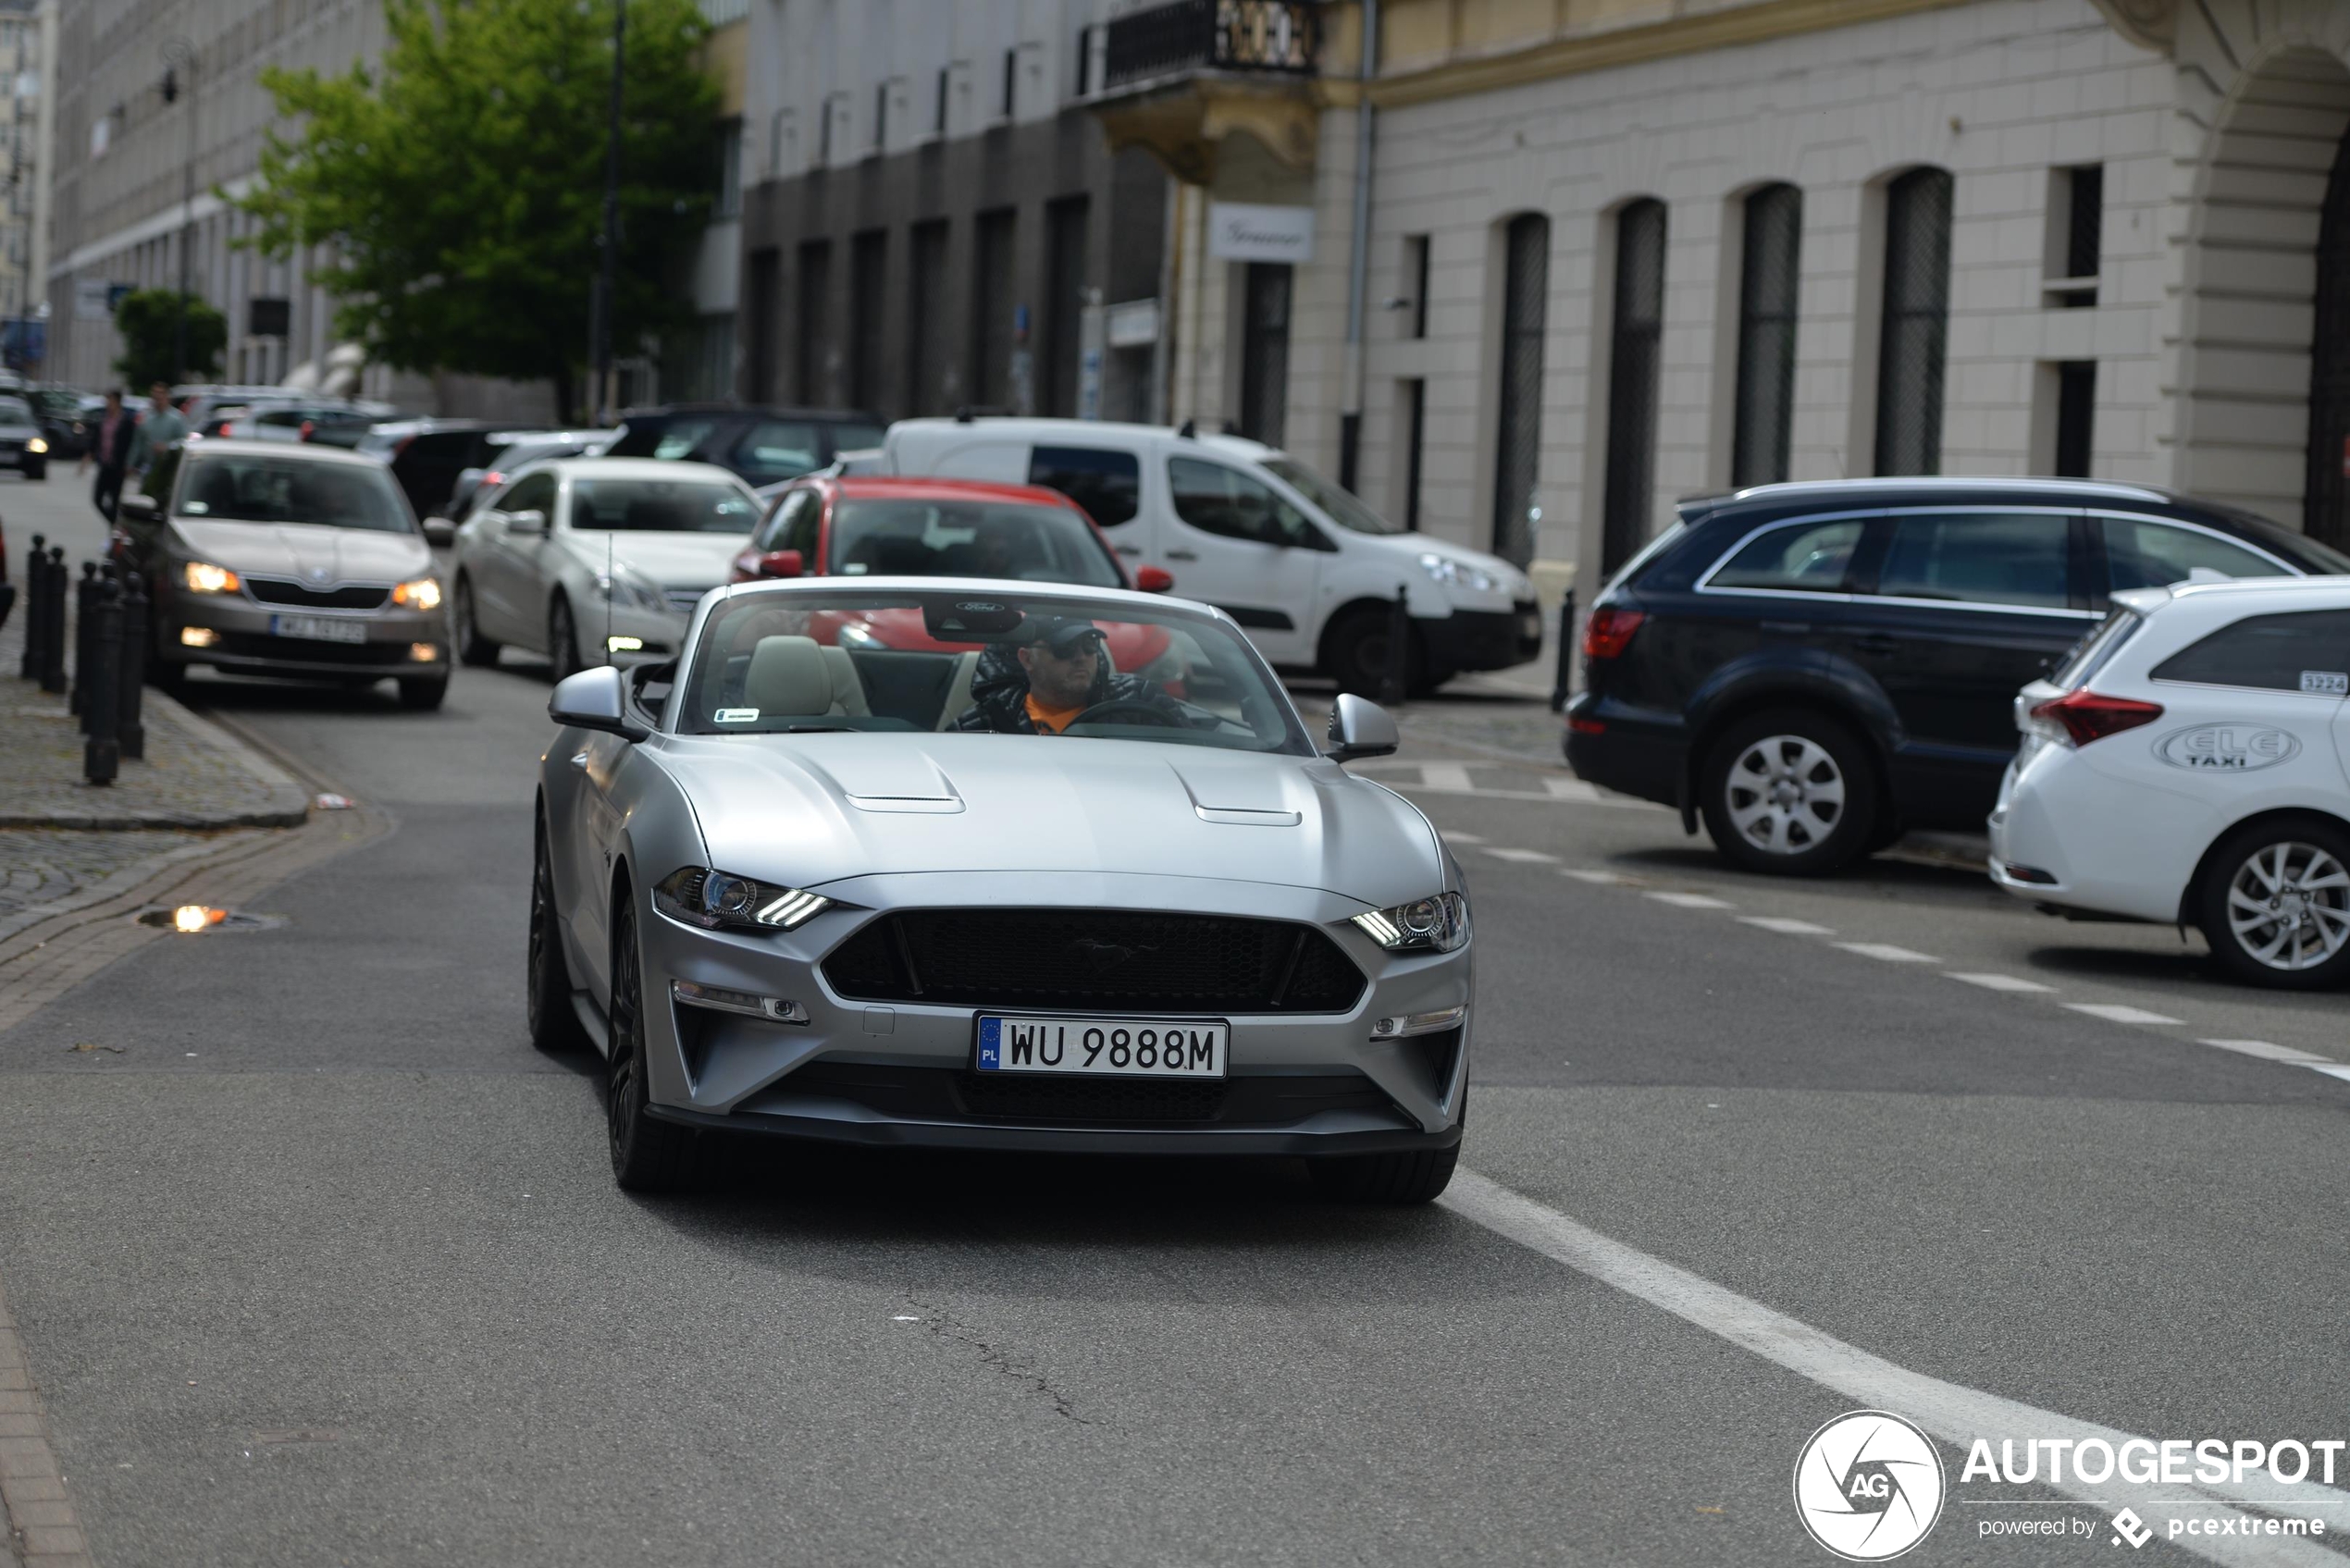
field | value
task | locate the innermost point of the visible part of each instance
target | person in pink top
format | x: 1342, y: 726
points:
x: 110, y: 447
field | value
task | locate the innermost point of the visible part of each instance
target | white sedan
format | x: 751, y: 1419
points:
x: 2187, y: 765
x: 595, y: 561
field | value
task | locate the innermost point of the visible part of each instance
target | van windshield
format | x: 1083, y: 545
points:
x: 1339, y: 505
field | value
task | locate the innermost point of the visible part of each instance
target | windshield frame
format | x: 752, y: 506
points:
x: 1339, y: 510
x: 1110, y: 604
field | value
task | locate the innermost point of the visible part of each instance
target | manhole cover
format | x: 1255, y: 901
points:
x: 195, y: 920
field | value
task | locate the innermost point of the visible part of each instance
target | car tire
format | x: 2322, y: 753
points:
x: 2253, y: 883
x: 423, y: 697
x: 554, y: 1022
x: 1414, y: 1176
x: 1790, y: 792
x: 562, y: 640
x: 648, y: 1154
x: 472, y: 647
x: 1355, y: 652
x: 36, y: 471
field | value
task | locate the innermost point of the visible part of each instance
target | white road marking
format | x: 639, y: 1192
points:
x: 1569, y: 789
x: 2331, y: 1069
x: 1453, y: 836
x: 2000, y: 982
x: 1445, y: 775
x: 2267, y: 1051
x: 1886, y: 950
x: 1604, y: 879
x: 2115, y: 1012
x: 1528, y: 856
x: 1692, y: 901
x: 1957, y: 1414
x: 1784, y: 926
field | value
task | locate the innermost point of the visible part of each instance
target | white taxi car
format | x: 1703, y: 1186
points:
x: 2187, y: 765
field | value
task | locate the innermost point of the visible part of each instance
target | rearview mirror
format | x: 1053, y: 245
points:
x: 440, y: 532
x: 594, y: 700
x: 781, y: 563
x: 1154, y: 579
x: 526, y: 522
x: 1358, y: 728
x: 138, y: 506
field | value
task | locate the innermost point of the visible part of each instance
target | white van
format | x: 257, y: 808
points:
x: 1307, y: 571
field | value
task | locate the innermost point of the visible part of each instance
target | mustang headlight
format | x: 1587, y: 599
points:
x: 703, y: 897
x: 1445, y: 569
x: 1440, y: 924
x: 203, y: 578
x: 421, y: 593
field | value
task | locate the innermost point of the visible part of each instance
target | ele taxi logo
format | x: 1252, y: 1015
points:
x: 1868, y: 1486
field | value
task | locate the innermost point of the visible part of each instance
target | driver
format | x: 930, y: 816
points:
x: 1056, y: 671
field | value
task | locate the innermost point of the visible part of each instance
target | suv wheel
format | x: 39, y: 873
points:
x: 1790, y: 792
x: 2274, y: 903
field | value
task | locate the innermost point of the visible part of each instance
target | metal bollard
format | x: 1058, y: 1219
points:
x: 1563, y: 684
x: 29, y: 667
x: 134, y: 667
x: 85, y: 620
x: 102, y: 686
x: 53, y: 622
x: 1395, y: 681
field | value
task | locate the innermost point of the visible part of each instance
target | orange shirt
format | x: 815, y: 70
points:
x: 1054, y: 720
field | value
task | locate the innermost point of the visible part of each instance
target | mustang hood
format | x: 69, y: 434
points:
x: 803, y: 810
x: 311, y: 552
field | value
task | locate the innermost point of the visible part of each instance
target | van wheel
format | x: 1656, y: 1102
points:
x: 2274, y: 903
x: 1355, y: 652
x: 1791, y: 792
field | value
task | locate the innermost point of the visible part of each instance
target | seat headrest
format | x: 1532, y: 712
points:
x: 788, y: 676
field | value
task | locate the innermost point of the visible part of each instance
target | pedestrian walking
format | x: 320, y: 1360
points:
x: 111, y: 449
x: 160, y: 429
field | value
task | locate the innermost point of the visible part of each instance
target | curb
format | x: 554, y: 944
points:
x: 43, y: 1527
x: 285, y: 804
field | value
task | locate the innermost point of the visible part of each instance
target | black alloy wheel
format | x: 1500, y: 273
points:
x: 472, y: 647
x: 555, y: 1023
x: 562, y: 640
x: 648, y: 1154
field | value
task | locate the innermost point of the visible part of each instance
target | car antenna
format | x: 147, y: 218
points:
x: 611, y: 588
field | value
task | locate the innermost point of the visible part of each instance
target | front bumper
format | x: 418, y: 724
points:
x: 1482, y: 639
x: 412, y: 644
x: 900, y: 1074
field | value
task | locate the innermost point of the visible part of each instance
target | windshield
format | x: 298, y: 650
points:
x: 965, y: 538
x: 1007, y: 665
x: 661, y: 506
x: 1337, y: 505
x: 14, y: 411
x: 247, y: 487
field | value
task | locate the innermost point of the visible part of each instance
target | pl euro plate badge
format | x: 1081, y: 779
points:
x: 1104, y: 1047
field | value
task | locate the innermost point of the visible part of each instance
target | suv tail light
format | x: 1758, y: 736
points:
x: 1609, y: 631
x: 2087, y: 716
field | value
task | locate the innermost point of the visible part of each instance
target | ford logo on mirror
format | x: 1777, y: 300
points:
x: 2227, y: 748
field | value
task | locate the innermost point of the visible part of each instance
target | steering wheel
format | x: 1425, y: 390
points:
x: 1129, y: 708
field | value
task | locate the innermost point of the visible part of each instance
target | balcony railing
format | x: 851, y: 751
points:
x: 1275, y: 36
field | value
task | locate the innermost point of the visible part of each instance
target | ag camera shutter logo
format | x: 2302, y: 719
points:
x: 1868, y: 1486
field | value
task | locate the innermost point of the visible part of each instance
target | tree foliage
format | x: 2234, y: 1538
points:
x: 149, y: 322
x: 457, y: 187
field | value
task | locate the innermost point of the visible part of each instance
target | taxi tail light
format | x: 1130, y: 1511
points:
x: 1609, y: 631
x: 2086, y: 715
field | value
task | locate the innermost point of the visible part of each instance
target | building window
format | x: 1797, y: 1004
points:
x: 869, y: 271
x: 815, y: 298
x: 1011, y: 82
x: 938, y: 112
x: 2076, y: 412
x: 2076, y: 234
x: 1917, y: 308
x: 1412, y: 409
x: 1065, y: 229
x: 1769, y: 272
x: 729, y: 200
x: 1634, y: 344
x: 1416, y: 249
x: 992, y: 312
x: 926, y: 363
x: 766, y: 286
x: 881, y: 115
x: 824, y: 133
x: 1265, y: 350
x: 2325, y: 500
x: 1525, y: 283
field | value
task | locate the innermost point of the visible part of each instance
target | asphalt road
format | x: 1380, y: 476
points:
x: 326, y: 1266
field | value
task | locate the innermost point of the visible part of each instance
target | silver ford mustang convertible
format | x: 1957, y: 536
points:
x: 994, y: 865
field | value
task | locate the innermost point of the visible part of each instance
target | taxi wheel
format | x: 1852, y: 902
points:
x: 1414, y: 1176
x: 554, y: 1024
x: 648, y: 1154
x: 1790, y: 792
x: 472, y: 647
x: 2274, y: 903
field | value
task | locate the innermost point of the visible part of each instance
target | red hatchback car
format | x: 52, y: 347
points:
x: 868, y: 525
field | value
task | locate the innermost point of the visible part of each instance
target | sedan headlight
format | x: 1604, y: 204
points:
x: 421, y: 593
x: 36, y: 445
x: 711, y: 899
x: 1440, y: 924
x: 1445, y: 569
x: 203, y: 578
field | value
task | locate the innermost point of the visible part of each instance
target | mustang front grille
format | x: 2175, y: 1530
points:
x: 1095, y: 960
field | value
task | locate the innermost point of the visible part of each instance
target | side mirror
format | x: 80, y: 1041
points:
x: 1154, y: 579
x: 781, y: 563
x: 1360, y: 727
x: 594, y: 700
x: 440, y: 532
x: 137, y: 507
x: 526, y: 522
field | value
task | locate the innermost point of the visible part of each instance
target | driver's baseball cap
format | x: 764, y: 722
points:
x: 1062, y: 634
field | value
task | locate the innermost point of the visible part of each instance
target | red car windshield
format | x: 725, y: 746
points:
x: 958, y: 537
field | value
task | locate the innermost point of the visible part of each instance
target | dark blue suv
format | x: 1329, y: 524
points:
x: 1816, y: 668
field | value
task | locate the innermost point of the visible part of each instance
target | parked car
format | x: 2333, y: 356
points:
x: 763, y: 445
x: 1813, y: 669
x: 24, y: 444
x: 427, y: 455
x: 731, y: 888
x: 519, y: 450
x: 306, y: 421
x: 1309, y: 572
x: 266, y: 559
x: 59, y: 409
x: 2187, y: 766
x: 595, y: 561
x: 207, y: 405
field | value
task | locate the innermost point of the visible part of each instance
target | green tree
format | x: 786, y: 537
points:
x: 457, y: 188
x: 149, y: 322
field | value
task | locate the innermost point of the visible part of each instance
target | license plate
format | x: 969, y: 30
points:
x: 317, y: 628
x: 1104, y: 1047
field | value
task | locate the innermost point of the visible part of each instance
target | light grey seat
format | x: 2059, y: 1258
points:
x: 793, y: 674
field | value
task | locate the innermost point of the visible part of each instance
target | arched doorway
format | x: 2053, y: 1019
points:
x: 2325, y: 500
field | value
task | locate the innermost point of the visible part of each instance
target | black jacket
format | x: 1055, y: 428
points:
x: 1000, y: 692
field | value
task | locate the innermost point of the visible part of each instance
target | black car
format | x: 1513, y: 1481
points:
x: 765, y: 446
x: 427, y: 455
x: 1814, y: 669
